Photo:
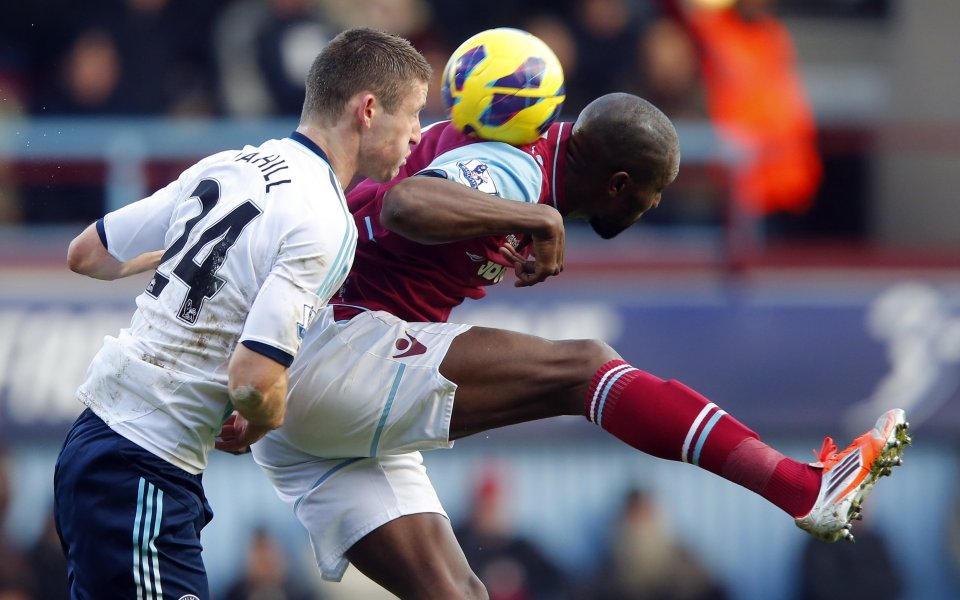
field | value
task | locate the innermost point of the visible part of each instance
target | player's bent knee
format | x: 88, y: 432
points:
x: 573, y: 363
x: 584, y: 357
x: 602, y: 352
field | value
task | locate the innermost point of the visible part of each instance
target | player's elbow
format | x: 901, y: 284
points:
x: 258, y: 387
x: 75, y: 259
x: 404, y: 208
x: 395, y: 210
x: 258, y: 402
x: 88, y: 256
x: 79, y: 259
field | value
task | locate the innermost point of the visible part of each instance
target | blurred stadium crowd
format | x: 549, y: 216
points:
x: 246, y: 59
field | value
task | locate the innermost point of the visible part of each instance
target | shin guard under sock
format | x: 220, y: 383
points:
x: 668, y: 420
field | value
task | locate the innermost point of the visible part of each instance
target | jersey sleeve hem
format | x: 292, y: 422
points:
x: 432, y: 173
x: 269, y: 351
x: 102, y: 232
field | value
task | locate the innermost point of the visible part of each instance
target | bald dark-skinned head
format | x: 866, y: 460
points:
x: 623, y: 152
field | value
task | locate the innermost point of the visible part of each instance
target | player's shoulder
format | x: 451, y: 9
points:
x: 276, y: 154
x: 277, y: 173
x: 552, y: 139
x: 535, y: 155
x: 209, y: 164
x: 498, y: 154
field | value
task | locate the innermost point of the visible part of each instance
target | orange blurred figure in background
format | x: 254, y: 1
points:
x: 757, y: 102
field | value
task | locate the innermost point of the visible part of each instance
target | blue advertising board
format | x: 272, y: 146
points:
x: 782, y: 355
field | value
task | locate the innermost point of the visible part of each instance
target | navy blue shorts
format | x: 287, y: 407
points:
x: 129, y: 521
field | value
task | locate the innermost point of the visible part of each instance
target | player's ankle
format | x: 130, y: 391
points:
x: 794, y: 487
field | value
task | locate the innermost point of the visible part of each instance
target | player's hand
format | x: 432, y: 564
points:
x: 547, y: 258
x: 237, y: 434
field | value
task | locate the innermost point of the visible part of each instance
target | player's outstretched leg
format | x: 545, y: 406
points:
x: 669, y: 420
x: 848, y: 476
x: 505, y: 378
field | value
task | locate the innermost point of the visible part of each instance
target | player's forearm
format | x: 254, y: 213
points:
x: 436, y: 211
x: 145, y: 262
x: 258, y: 408
x: 109, y: 268
x: 258, y: 387
x: 87, y: 256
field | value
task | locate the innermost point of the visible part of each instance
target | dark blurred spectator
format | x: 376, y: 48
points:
x: 558, y: 35
x: 86, y: 84
x: 408, y: 18
x: 670, y: 64
x: 12, y: 96
x: 87, y: 79
x: 120, y: 58
x: 134, y: 57
x: 412, y: 19
x: 510, y: 566
x: 240, y: 84
x: 459, y: 20
x: 671, y: 70
x: 646, y: 562
x: 265, y: 576
x: 286, y: 44
x: 757, y: 102
x: 839, y: 571
x: 264, y: 50
x: 14, y: 574
x: 15, y: 57
x: 608, y: 36
x: 48, y: 566
x: 14, y: 42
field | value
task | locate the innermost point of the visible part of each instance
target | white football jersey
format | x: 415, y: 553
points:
x: 255, y: 242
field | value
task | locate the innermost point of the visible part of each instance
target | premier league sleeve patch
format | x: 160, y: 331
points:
x: 476, y: 174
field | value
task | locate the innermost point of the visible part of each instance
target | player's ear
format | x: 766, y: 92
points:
x: 618, y: 183
x: 366, y: 106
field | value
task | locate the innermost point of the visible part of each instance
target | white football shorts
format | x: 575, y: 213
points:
x: 341, y: 500
x: 365, y: 396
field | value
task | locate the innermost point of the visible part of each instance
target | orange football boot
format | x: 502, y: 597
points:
x: 849, y: 476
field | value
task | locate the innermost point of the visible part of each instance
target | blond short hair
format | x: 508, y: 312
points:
x: 357, y: 60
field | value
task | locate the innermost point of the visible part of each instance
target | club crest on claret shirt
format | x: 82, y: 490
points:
x: 476, y: 174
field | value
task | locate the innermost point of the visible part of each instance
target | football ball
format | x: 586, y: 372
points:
x: 504, y: 85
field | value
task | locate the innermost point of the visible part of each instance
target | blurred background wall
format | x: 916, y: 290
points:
x: 802, y: 272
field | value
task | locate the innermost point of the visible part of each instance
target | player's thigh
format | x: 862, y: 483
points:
x: 417, y: 556
x: 130, y: 522
x: 504, y: 377
x: 339, y: 501
x: 370, y: 386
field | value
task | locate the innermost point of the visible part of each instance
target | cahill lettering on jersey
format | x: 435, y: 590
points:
x: 426, y: 283
x: 269, y: 166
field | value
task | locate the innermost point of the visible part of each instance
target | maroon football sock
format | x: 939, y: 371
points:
x: 668, y: 420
